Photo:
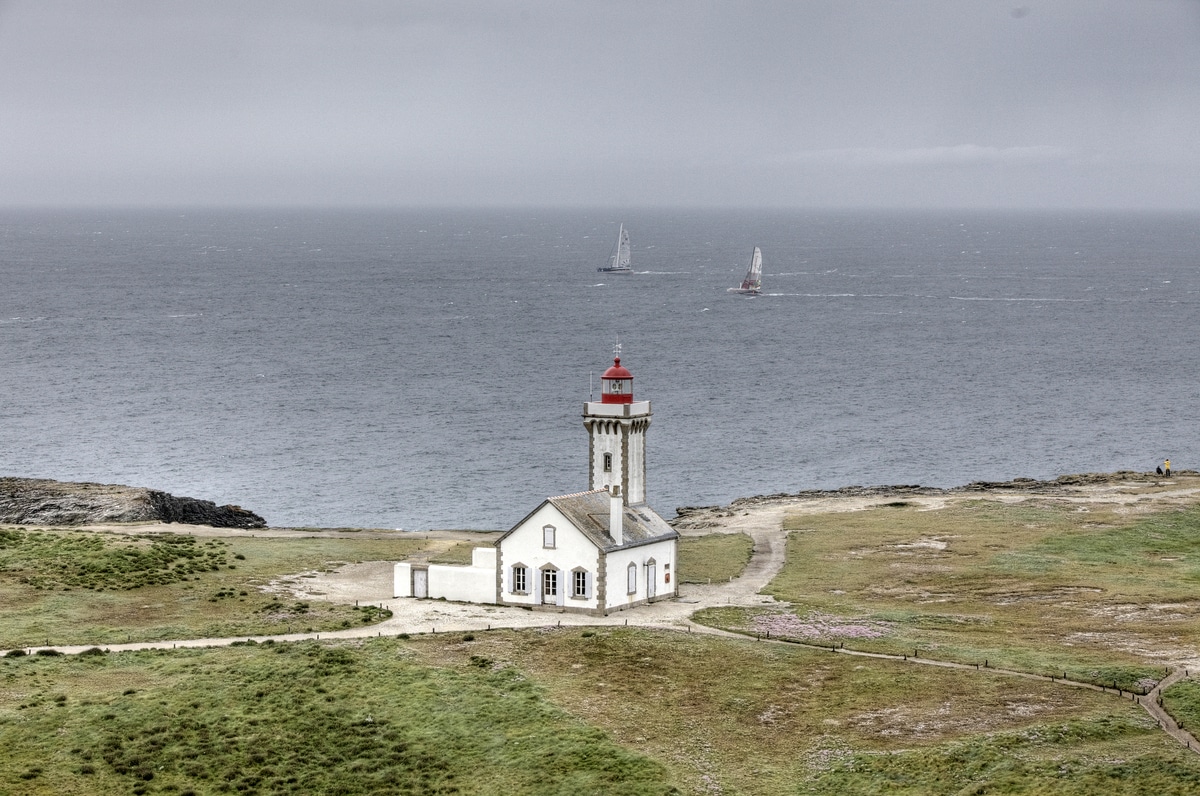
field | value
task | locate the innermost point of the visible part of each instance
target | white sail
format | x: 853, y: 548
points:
x: 618, y: 261
x: 753, y: 281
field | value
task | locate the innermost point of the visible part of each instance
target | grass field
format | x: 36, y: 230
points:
x: 73, y: 587
x: 1097, y: 595
x: 560, y: 711
x: 714, y: 557
x: 1182, y: 701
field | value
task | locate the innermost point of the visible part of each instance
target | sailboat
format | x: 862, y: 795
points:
x: 618, y: 261
x: 752, y: 284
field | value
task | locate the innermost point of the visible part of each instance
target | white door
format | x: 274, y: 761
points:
x: 420, y: 582
x: 651, y: 588
x: 550, y: 586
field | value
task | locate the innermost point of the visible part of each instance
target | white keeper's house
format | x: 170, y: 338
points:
x: 594, y: 552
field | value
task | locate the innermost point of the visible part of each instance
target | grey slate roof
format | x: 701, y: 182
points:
x: 589, y: 512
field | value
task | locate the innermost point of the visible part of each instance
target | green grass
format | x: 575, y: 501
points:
x: 714, y: 557
x: 299, y: 718
x: 1182, y: 701
x: 71, y: 587
x: 1041, y: 587
x: 1017, y: 763
x: 459, y: 553
x: 560, y: 710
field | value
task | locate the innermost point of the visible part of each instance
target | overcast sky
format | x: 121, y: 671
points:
x: 831, y: 103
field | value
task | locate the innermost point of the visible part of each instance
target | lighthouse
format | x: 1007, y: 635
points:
x: 590, y: 552
x: 617, y: 426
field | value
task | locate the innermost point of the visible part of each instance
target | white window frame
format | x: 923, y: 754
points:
x: 631, y: 578
x: 581, y: 584
x: 549, y: 532
x: 519, y: 579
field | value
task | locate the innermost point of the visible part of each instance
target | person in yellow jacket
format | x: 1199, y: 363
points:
x: 1167, y: 468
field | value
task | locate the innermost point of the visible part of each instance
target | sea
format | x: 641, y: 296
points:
x: 427, y: 368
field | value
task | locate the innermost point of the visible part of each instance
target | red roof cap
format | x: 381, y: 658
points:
x: 617, y: 371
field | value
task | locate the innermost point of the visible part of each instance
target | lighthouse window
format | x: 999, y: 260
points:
x: 548, y: 536
x: 608, y: 462
x: 618, y: 386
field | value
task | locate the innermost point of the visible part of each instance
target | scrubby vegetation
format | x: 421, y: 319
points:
x: 58, y: 560
x: 298, y: 718
x: 560, y: 711
x: 79, y: 587
x: 1044, y: 588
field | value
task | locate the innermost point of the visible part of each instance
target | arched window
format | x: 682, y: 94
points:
x: 608, y: 462
x: 631, y: 576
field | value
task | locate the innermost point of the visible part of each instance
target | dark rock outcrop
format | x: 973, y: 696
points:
x: 40, y: 501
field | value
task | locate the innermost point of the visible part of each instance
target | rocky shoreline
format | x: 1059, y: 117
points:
x: 35, y: 501
x: 40, y: 501
x: 694, y: 516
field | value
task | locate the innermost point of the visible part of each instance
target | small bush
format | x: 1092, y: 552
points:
x: 14, y: 653
x: 50, y: 653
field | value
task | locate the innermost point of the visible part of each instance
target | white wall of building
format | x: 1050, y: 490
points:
x: 617, y: 566
x: 571, y: 551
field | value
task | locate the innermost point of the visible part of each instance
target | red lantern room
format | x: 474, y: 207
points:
x: 616, y: 385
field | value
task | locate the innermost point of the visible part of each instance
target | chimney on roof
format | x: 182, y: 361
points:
x: 616, y: 514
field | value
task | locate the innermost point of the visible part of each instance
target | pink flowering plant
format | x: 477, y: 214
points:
x: 816, y: 625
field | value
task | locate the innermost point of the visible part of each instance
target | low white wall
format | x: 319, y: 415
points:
x: 402, y: 577
x: 473, y: 584
x: 462, y: 584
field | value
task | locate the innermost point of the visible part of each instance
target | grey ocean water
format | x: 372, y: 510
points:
x: 427, y: 369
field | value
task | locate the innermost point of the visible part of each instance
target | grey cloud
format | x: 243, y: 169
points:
x: 545, y: 101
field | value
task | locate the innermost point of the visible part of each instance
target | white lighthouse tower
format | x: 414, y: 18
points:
x: 590, y: 552
x: 617, y: 427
